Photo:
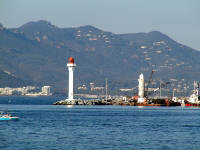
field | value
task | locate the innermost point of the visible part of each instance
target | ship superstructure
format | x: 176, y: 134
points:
x: 194, y: 97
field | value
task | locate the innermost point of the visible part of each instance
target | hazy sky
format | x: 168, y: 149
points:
x: 179, y: 19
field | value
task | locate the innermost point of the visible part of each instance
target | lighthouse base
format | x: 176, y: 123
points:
x: 70, y: 101
x: 67, y: 102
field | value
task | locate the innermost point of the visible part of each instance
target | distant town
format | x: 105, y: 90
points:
x: 93, y: 90
x: 26, y: 91
x: 178, y: 87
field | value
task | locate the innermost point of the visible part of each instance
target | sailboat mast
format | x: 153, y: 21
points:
x: 106, y: 89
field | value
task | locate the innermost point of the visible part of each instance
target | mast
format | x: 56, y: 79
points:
x: 160, y: 89
x: 106, y: 89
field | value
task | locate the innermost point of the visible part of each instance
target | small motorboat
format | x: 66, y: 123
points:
x: 7, y: 117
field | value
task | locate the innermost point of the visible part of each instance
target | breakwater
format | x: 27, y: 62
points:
x: 82, y: 102
x: 157, y: 102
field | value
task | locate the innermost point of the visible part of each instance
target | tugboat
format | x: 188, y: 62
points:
x: 194, y: 99
x: 7, y: 117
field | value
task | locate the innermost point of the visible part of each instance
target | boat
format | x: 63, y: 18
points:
x: 194, y: 99
x: 7, y: 117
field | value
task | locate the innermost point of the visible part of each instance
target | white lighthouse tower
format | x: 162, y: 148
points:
x: 71, y: 66
x: 141, y: 89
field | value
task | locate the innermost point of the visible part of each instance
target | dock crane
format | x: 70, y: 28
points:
x: 149, y: 81
x: 162, y: 85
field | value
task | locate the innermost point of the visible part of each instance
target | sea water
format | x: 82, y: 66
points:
x: 43, y: 126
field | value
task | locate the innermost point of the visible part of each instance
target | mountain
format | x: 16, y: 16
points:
x: 8, y: 80
x: 38, y: 52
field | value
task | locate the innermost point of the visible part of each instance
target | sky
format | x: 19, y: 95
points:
x: 179, y: 19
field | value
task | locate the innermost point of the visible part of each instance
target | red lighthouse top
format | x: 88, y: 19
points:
x: 71, y: 60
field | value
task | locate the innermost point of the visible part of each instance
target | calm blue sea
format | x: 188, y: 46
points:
x: 43, y: 126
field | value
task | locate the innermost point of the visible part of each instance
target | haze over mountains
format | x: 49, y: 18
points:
x: 37, y: 53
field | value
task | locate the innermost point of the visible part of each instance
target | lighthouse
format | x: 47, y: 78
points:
x: 141, y: 88
x: 71, y: 66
